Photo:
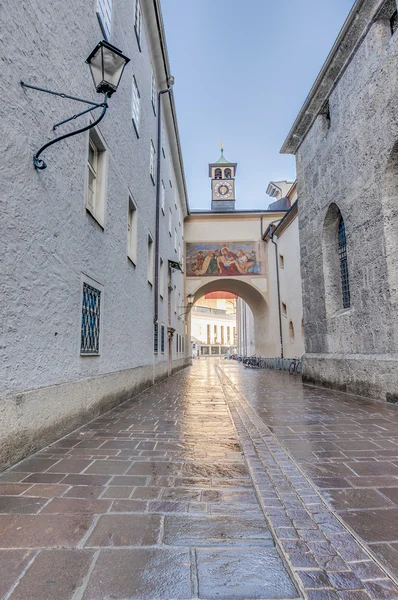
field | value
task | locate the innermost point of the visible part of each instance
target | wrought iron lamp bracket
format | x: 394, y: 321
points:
x: 39, y: 163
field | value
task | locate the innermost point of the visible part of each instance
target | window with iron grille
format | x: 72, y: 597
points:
x: 156, y: 338
x: 135, y: 109
x: 345, y: 283
x: 154, y: 92
x: 91, y: 317
x: 162, y: 334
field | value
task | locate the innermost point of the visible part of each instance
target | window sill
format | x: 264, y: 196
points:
x: 136, y: 129
x: 89, y: 354
x: 132, y: 261
x: 341, y: 312
x: 92, y: 215
x: 138, y: 39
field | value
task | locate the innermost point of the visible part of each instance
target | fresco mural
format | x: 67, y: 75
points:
x: 212, y: 259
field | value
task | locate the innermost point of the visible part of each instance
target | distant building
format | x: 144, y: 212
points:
x: 79, y: 238
x: 345, y: 139
x: 213, y: 324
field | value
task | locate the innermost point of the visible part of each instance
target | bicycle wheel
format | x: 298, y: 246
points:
x: 292, y: 368
x: 298, y: 367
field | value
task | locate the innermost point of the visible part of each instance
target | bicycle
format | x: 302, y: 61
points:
x: 295, y: 366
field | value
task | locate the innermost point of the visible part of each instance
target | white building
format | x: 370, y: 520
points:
x: 213, y: 324
x: 79, y: 239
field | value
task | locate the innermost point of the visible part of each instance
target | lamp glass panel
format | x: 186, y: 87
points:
x: 113, y: 67
x: 96, y: 67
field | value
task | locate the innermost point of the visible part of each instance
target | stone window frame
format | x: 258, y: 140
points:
x: 96, y: 169
x: 332, y: 269
x: 86, y: 280
x: 104, y: 16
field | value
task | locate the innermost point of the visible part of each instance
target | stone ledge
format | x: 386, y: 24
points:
x: 371, y: 375
x: 33, y: 419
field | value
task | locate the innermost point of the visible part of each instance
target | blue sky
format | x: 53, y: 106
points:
x: 243, y: 71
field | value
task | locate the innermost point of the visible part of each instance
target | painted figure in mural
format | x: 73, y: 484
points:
x: 213, y: 260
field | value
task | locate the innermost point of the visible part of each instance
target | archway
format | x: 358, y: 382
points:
x: 253, y: 297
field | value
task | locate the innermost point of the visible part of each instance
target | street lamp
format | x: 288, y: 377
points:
x: 188, y: 306
x: 106, y: 64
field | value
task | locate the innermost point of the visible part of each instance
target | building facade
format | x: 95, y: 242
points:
x: 213, y: 325
x: 79, y: 240
x: 225, y: 251
x: 345, y: 140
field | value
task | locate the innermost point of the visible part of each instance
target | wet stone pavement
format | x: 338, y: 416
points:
x: 219, y: 483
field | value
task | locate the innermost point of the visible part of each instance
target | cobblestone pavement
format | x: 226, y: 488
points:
x: 219, y: 483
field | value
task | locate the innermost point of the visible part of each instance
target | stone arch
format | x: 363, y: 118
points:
x: 335, y: 271
x: 253, y: 297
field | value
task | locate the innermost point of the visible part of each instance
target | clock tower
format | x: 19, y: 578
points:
x: 222, y: 175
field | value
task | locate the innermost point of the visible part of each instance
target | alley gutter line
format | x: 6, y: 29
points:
x: 245, y: 406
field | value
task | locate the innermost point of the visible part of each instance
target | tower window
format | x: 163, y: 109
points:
x: 345, y: 284
x: 218, y: 174
x: 227, y: 173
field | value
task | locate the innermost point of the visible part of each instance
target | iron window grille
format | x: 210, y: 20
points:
x: 345, y: 283
x: 162, y: 334
x: 91, y: 315
x: 156, y: 338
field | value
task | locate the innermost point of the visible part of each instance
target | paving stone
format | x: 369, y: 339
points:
x: 243, y: 574
x: 21, y: 504
x: 357, y: 498
x: 215, y: 531
x: 76, y: 506
x: 43, y: 490
x: 141, y: 574
x: 12, y: 563
x: 40, y: 531
x: 13, y: 489
x: 126, y: 530
x: 374, y: 526
x: 54, y: 574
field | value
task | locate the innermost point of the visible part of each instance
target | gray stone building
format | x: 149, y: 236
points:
x: 78, y: 239
x: 345, y: 139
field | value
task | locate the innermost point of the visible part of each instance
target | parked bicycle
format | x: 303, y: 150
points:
x: 295, y: 367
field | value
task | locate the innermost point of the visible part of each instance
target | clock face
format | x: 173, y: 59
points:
x: 223, y: 189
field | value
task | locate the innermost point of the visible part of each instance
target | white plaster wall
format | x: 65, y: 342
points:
x: 46, y: 237
x: 290, y: 289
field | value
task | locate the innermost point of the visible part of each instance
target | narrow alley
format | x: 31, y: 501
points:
x: 219, y: 483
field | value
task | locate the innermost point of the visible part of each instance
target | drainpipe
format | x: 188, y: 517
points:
x: 158, y: 163
x: 271, y: 234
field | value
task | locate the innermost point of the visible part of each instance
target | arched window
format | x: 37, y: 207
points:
x: 227, y: 173
x: 218, y: 174
x: 345, y: 284
x: 335, y: 262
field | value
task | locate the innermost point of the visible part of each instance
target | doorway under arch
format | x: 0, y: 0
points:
x: 253, y: 297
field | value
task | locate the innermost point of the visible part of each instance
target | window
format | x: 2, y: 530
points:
x: 154, y: 92
x: 163, y: 140
x: 162, y: 196
x: 284, y: 309
x: 179, y: 253
x: 291, y: 332
x: 135, y: 110
x: 183, y: 345
x: 234, y: 340
x: 394, y: 22
x: 150, y: 259
x: 156, y: 338
x: 91, y: 320
x: 96, y: 171
x: 281, y: 261
x: 228, y: 335
x: 162, y: 338
x: 171, y: 185
x: 175, y: 240
x: 152, y: 162
x: 161, y: 278
x: 170, y: 222
x: 218, y: 174
x: 177, y: 336
x: 325, y: 111
x: 345, y: 284
x: 104, y: 14
x: 227, y: 173
x: 138, y: 22
x: 132, y: 232
x: 208, y: 334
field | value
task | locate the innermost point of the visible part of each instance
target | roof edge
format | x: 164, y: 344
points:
x: 354, y: 30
